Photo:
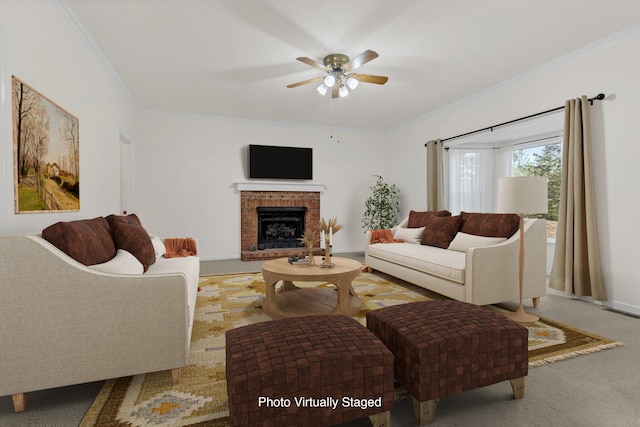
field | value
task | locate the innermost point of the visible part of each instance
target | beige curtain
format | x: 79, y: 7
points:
x: 435, y: 178
x: 576, y: 264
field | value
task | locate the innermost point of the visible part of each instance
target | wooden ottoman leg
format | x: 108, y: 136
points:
x: 424, y: 411
x: 517, y: 385
x: 383, y: 419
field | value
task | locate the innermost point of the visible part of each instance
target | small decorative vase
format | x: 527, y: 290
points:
x: 312, y: 259
x: 327, y: 254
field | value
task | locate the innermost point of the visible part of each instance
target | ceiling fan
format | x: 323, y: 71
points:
x: 339, y: 73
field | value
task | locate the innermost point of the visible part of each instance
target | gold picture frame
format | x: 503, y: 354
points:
x: 46, y: 157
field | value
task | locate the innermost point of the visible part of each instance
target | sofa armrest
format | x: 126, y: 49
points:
x: 367, y: 239
x: 485, y: 283
x: 62, y: 323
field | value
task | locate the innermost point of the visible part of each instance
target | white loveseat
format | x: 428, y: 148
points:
x: 63, y: 322
x: 481, y: 271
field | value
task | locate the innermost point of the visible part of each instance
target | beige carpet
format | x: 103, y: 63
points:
x: 229, y: 301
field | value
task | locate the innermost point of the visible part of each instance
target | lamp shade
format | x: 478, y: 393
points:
x: 523, y: 195
x: 352, y: 83
x: 330, y: 80
x: 322, y: 89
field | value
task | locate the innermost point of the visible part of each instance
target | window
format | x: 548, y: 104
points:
x: 543, y: 160
x: 475, y: 163
x: 473, y: 172
x: 470, y: 185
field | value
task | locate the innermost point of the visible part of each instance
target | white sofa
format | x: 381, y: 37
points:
x: 63, y: 322
x: 479, y: 275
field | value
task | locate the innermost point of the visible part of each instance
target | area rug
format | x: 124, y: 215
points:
x: 230, y: 301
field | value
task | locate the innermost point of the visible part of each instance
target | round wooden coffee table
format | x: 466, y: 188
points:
x: 290, y: 300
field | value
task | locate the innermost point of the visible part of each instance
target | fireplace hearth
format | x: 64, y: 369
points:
x: 280, y: 226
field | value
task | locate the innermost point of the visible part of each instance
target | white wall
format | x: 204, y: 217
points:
x: 612, y: 67
x: 41, y: 47
x: 188, y: 167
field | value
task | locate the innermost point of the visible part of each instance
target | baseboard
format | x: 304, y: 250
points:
x: 622, y: 308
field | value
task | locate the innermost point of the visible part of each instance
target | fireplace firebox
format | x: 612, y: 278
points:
x: 280, y: 226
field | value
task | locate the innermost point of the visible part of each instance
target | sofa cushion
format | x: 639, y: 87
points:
x: 489, y: 224
x: 420, y: 219
x: 464, y: 241
x: 409, y: 235
x: 133, y: 238
x: 158, y: 246
x: 122, y: 263
x: 440, y: 231
x: 88, y: 241
x: 438, y: 262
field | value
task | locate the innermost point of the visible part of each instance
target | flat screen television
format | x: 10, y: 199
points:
x: 275, y: 162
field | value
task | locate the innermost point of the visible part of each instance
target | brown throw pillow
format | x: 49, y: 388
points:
x: 489, y: 224
x: 440, y: 231
x: 134, y: 239
x: 127, y: 219
x: 420, y: 219
x: 88, y: 241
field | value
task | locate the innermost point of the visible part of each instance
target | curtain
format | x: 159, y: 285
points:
x: 471, y: 180
x: 502, y: 167
x: 576, y: 265
x: 435, y: 176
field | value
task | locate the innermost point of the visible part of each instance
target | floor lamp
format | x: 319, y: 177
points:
x: 522, y: 195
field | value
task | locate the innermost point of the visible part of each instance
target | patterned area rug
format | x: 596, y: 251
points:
x: 230, y: 301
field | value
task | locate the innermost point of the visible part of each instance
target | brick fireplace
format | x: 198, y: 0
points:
x: 250, y: 201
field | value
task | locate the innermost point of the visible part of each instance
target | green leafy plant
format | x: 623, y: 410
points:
x: 382, y: 208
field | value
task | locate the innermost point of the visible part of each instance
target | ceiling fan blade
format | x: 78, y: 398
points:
x: 360, y: 60
x: 304, y: 82
x: 369, y: 78
x: 313, y: 63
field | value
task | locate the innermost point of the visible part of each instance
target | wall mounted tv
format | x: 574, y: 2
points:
x: 275, y: 162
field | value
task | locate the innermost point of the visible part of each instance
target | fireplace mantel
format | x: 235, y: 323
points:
x: 270, y: 186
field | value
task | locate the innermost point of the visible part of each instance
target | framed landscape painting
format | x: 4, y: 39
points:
x: 46, y: 153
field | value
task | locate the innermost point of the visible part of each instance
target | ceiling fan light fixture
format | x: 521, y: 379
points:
x: 322, y: 89
x: 338, y: 73
x: 330, y: 80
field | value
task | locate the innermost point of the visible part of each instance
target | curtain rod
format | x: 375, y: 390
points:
x: 598, y: 97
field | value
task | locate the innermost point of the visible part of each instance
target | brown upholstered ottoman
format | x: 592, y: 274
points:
x: 446, y: 347
x: 304, y: 371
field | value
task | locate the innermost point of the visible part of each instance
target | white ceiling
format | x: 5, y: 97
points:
x: 234, y: 58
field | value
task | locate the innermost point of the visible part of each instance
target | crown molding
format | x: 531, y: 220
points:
x: 77, y: 24
x: 589, y: 49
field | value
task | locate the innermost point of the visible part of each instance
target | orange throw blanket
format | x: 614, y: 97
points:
x: 383, y: 236
x: 180, y: 247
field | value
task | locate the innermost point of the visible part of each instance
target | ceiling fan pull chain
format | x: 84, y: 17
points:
x: 331, y: 118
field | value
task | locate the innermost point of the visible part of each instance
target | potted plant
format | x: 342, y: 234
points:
x: 382, y: 208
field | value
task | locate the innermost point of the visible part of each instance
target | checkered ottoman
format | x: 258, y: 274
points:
x: 446, y: 347
x: 310, y: 370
